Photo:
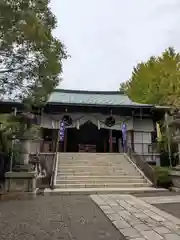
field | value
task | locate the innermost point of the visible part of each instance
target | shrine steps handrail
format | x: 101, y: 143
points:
x: 143, y: 165
x: 52, y: 181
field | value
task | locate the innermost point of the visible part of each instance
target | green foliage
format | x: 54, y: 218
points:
x: 28, y: 50
x: 163, y: 177
x: 17, y: 127
x: 156, y: 81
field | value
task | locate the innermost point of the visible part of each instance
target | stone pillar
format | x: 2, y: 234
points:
x: 22, y: 163
x: 26, y: 147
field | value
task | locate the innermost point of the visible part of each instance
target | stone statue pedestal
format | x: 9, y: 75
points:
x: 20, y: 182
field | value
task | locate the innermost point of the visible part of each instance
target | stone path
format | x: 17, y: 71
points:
x: 172, y: 208
x: 55, y: 218
x: 138, y: 220
x: 161, y: 199
x: 155, y: 194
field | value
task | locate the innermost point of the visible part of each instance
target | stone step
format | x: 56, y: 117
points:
x: 92, y: 157
x: 90, y: 154
x: 102, y: 170
x: 93, y: 162
x: 95, y: 173
x: 98, y: 177
x: 90, y: 161
x: 95, y: 181
x: 101, y: 185
x: 110, y: 162
x: 98, y: 168
x: 94, y: 168
x: 88, y: 191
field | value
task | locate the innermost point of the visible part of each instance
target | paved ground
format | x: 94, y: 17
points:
x: 55, y: 218
x: 161, y: 199
x: 106, y: 217
x: 172, y: 208
x: 167, y: 201
x: 138, y: 220
x: 155, y: 194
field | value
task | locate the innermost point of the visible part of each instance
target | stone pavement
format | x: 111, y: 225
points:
x: 155, y: 194
x: 138, y: 220
x: 171, y: 208
x: 55, y: 218
x: 161, y: 199
x: 167, y: 201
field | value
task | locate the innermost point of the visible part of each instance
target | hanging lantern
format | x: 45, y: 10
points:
x: 67, y: 120
x: 110, y: 121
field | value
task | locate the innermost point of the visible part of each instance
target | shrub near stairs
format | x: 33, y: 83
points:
x: 163, y: 177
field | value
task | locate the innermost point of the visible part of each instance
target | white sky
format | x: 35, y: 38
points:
x: 106, y: 38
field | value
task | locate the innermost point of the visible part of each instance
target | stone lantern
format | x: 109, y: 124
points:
x: 22, y: 178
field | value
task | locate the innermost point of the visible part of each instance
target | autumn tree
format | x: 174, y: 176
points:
x: 156, y: 81
x: 30, y: 56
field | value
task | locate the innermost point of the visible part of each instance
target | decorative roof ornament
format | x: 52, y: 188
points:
x: 67, y: 120
x: 110, y: 121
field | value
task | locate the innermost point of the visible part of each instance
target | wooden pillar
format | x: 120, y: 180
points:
x: 65, y: 140
x: 104, y: 145
x: 132, y: 139
x: 110, y: 141
x: 56, y: 140
x: 54, y: 137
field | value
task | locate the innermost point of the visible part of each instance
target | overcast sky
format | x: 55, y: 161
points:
x: 106, y: 38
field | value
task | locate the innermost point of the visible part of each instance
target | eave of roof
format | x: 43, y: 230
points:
x: 124, y: 103
x: 92, y: 98
x: 101, y: 105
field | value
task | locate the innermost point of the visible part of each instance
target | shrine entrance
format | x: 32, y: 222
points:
x: 87, y: 139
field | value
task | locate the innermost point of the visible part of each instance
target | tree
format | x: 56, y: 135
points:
x: 30, y: 57
x: 156, y: 81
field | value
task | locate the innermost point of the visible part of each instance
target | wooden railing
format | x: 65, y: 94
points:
x: 143, y: 165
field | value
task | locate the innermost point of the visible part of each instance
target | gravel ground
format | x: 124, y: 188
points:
x: 55, y: 217
x: 172, y: 208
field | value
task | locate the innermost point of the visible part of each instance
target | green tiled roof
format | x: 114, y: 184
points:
x: 75, y: 97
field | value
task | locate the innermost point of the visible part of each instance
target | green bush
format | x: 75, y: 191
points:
x: 163, y: 177
x: 164, y: 159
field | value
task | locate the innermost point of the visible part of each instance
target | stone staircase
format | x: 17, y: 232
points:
x: 97, y: 171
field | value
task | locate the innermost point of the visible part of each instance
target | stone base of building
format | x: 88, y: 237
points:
x: 17, y: 182
x: 175, y: 176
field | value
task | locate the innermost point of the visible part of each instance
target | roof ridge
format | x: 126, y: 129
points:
x: 88, y: 91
